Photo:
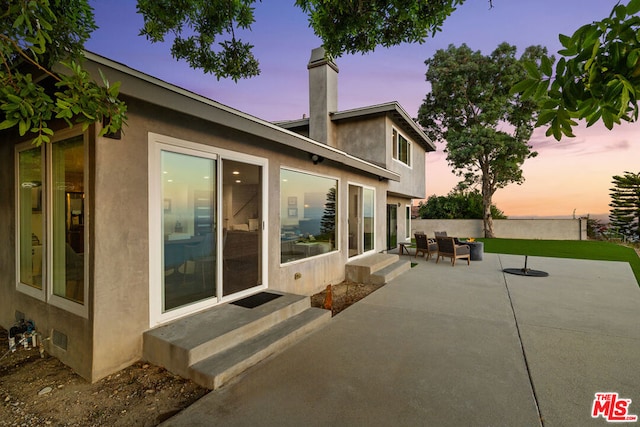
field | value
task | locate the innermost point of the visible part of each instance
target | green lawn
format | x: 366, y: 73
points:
x: 578, y: 249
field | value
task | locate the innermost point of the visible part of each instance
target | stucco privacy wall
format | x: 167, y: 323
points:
x: 543, y: 229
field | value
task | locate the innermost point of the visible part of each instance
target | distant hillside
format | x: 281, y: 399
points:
x: 604, y: 218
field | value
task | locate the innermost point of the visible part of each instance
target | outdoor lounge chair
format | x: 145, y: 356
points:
x: 444, y: 234
x: 448, y: 248
x: 425, y: 245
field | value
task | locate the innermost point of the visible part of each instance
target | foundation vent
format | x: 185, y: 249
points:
x: 59, y: 339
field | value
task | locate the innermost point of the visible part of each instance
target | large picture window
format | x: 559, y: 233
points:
x: 308, y: 213
x: 51, y: 221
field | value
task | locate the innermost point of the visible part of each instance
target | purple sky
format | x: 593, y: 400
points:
x: 574, y: 174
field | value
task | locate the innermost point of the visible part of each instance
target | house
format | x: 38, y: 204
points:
x: 193, y: 206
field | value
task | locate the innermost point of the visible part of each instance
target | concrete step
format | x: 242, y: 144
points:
x: 184, y: 342
x: 218, y: 369
x: 390, y: 272
x: 360, y: 270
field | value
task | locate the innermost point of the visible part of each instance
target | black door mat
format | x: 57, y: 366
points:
x: 256, y: 300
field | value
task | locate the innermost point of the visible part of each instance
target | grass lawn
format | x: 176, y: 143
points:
x: 579, y: 249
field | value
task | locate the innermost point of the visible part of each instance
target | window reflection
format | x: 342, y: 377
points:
x: 188, y: 224
x: 308, y: 207
x: 67, y: 208
x: 31, y: 218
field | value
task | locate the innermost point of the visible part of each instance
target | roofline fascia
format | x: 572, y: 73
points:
x: 385, y: 108
x: 233, y: 118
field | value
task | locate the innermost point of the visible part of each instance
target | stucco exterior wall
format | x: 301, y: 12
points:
x: 118, y: 238
x: 370, y: 138
x: 13, y: 304
x: 364, y: 138
x: 413, y: 181
x: 120, y: 245
x: 543, y: 229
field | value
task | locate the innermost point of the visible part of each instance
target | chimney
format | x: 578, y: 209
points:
x: 323, y: 96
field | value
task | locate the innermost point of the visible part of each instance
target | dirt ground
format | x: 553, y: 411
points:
x: 37, y: 391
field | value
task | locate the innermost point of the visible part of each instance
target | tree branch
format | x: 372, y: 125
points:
x: 27, y: 57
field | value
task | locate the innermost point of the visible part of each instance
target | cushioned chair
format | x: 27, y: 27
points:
x: 425, y: 246
x: 447, y: 248
x: 444, y: 234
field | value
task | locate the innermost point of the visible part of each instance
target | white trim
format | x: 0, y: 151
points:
x: 361, y: 213
x: 396, y: 143
x: 156, y: 144
x: 407, y: 223
x: 46, y: 293
x: 55, y: 300
x: 23, y: 287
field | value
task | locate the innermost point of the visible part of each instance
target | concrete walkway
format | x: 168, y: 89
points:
x: 461, y: 346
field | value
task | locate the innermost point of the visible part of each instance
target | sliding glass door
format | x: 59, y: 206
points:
x: 206, y: 222
x: 189, y: 226
x: 242, y: 234
x: 361, y: 220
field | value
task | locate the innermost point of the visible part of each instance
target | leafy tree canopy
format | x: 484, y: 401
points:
x: 361, y: 26
x: 597, y: 77
x: 457, y: 205
x: 37, y: 34
x: 485, y: 126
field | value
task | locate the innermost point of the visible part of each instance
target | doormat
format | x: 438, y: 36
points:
x: 256, y: 300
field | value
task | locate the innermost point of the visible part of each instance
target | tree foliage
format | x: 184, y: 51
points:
x: 597, y: 77
x: 328, y: 220
x: 625, y: 205
x: 361, y: 26
x: 45, y: 38
x: 457, y: 205
x: 485, y: 126
x: 36, y: 36
x: 195, y: 25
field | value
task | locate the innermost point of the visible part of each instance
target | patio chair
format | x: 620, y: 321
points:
x: 425, y: 246
x: 447, y: 248
x: 444, y: 234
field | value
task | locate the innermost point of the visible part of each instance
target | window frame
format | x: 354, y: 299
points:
x: 407, y: 222
x: 157, y: 143
x: 396, y: 137
x: 337, y: 240
x: 46, y: 294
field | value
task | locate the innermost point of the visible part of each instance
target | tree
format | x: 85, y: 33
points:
x: 486, y: 128
x: 361, y: 26
x: 38, y: 34
x: 456, y: 205
x: 625, y: 204
x: 597, y: 77
x: 328, y: 220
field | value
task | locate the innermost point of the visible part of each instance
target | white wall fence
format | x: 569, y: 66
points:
x: 543, y: 229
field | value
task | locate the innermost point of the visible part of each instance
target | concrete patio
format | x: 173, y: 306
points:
x: 454, y: 346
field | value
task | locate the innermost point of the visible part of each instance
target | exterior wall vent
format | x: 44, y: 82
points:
x: 59, y: 339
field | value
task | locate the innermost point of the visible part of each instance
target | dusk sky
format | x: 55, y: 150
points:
x: 567, y: 177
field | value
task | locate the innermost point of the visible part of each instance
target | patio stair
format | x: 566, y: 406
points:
x: 214, y: 346
x: 376, y: 269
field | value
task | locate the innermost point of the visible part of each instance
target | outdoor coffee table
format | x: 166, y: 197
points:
x: 404, y: 247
